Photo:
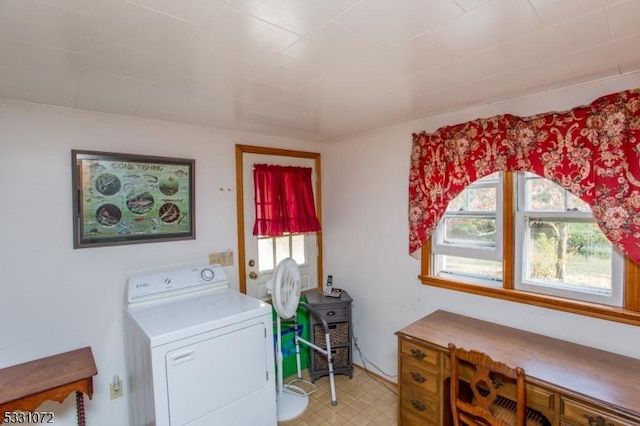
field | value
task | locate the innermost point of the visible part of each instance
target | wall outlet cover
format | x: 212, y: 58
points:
x: 224, y: 258
x: 115, y: 392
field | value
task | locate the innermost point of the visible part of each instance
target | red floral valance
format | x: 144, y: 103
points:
x: 592, y: 151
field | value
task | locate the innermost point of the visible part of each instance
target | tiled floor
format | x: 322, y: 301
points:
x: 362, y: 401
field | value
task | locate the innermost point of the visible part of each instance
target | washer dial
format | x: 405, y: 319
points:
x: 207, y: 274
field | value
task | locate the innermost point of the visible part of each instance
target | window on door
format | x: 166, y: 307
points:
x: 271, y: 250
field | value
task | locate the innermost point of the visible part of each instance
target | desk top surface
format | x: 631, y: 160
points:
x: 594, y: 373
x: 33, y: 377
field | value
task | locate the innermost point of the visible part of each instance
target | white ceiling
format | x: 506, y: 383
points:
x: 314, y: 69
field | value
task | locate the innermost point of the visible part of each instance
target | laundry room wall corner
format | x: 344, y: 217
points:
x: 55, y: 298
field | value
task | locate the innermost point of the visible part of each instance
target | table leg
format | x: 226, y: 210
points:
x: 80, y: 409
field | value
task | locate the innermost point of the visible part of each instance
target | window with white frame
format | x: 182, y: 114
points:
x: 468, y: 241
x: 562, y: 251
x: 558, y: 248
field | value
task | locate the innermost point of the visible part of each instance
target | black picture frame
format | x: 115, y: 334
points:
x: 129, y: 199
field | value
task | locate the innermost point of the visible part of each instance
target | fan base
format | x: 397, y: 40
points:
x: 291, y: 405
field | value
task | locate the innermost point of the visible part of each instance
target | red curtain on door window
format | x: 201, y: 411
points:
x: 283, y: 200
x: 592, y: 151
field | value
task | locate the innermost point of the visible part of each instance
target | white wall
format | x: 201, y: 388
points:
x: 366, y: 238
x: 54, y: 298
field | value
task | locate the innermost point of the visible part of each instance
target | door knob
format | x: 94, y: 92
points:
x: 252, y: 262
x: 253, y: 275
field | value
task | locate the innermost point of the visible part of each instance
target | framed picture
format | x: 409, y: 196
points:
x: 128, y: 199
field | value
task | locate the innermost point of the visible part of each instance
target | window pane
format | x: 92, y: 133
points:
x: 282, y: 248
x: 459, y: 203
x: 542, y: 194
x: 568, y: 255
x: 468, y: 231
x: 479, y: 196
x: 297, y: 249
x: 474, y: 199
x: 468, y: 267
x: 575, y: 203
x: 265, y: 254
x: 545, y: 195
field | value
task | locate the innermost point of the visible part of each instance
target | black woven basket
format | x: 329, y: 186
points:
x: 340, y: 359
x: 338, y: 333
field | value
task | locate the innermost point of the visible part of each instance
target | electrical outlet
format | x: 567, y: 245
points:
x: 115, y: 393
x: 224, y: 258
x: 115, y: 387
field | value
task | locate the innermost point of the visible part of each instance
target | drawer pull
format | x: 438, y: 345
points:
x: 418, y: 354
x: 418, y: 405
x: 418, y: 377
x: 331, y: 313
x: 597, y: 421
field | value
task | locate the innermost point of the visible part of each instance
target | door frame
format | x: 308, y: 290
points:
x: 251, y: 149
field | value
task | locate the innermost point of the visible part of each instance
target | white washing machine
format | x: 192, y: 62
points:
x: 198, y: 352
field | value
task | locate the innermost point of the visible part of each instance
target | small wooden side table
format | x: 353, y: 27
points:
x: 24, y: 387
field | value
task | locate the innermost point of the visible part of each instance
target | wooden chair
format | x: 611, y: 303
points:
x: 485, y: 407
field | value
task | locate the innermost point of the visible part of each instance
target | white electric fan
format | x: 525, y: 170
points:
x: 285, y: 294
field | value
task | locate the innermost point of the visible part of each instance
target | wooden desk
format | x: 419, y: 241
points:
x: 570, y: 384
x: 26, y: 386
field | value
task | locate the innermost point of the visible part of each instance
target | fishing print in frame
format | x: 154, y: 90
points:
x: 129, y: 199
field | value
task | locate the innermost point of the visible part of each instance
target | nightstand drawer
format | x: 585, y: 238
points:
x: 334, y: 313
x: 420, y: 353
x: 582, y: 414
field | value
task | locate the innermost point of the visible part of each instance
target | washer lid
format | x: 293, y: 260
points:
x: 177, y: 318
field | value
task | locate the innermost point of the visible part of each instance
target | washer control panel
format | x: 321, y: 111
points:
x: 156, y: 285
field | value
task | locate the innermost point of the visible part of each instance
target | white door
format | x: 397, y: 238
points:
x: 262, y: 254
